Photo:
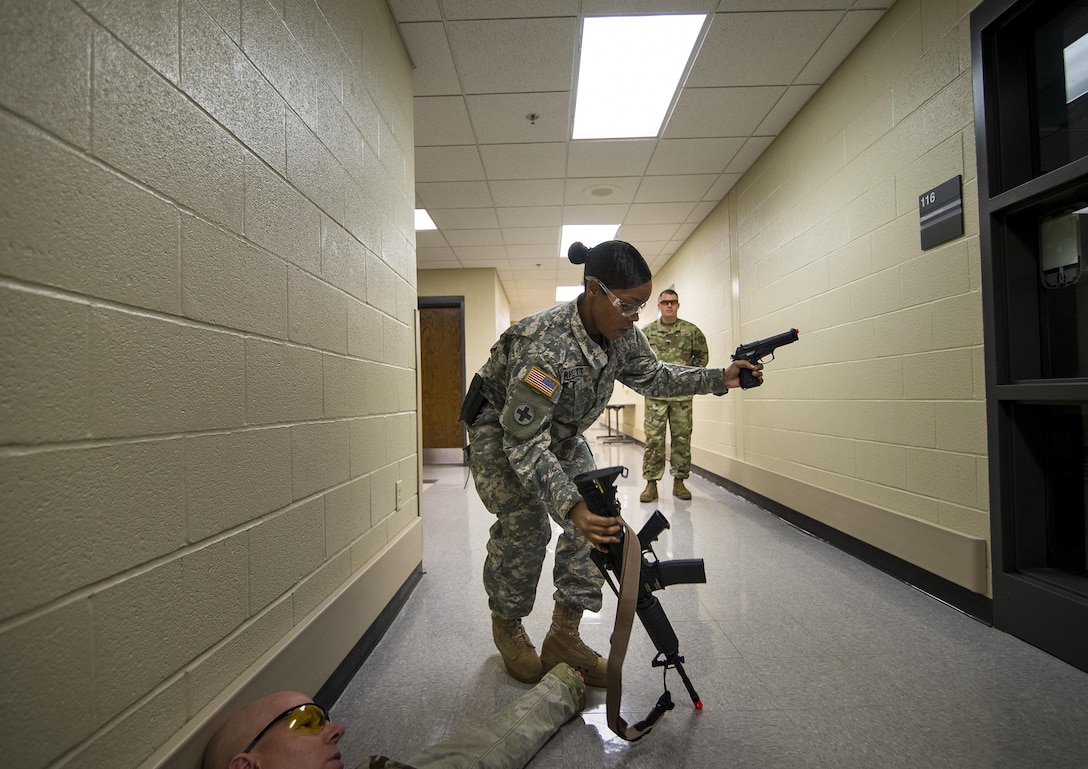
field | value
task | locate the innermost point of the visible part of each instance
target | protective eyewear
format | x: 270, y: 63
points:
x: 669, y: 302
x: 626, y: 309
x: 309, y: 718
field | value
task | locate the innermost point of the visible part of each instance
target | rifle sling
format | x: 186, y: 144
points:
x: 630, y: 574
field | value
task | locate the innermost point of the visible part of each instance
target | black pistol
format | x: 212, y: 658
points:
x: 754, y: 352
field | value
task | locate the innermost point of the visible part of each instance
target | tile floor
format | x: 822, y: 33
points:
x: 805, y: 657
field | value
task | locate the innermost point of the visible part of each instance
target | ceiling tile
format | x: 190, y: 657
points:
x: 441, y: 120
x: 441, y: 258
x: 527, y: 192
x: 453, y: 194
x: 476, y: 255
x: 749, y: 153
x: 514, y: 56
x: 530, y: 216
x: 789, y: 105
x: 415, y: 10
x: 599, y: 214
x: 609, y: 158
x: 658, y: 213
x: 658, y: 189
x: 521, y: 236
x: 579, y: 191
x: 491, y: 9
x: 448, y: 164
x: 735, y: 51
x: 638, y: 234
x: 458, y: 238
x: 610, y: 7
x: 693, y: 156
x: 709, y: 112
x: 534, y: 251
x: 430, y: 239
x: 464, y: 218
x: 722, y: 186
x: 702, y: 210
x: 843, y: 39
x: 504, y: 118
x: 733, y: 6
x: 524, y: 161
x: 433, y: 71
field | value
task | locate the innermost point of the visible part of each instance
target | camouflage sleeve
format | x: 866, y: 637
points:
x: 532, y: 390
x: 700, y: 352
x: 381, y: 762
x: 646, y: 375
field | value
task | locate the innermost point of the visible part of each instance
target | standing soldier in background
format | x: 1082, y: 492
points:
x: 674, y: 341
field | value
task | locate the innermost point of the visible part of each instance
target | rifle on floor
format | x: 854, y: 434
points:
x: 639, y: 574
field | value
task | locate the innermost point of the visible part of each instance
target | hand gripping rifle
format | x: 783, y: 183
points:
x: 638, y: 576
x: 754, y: 352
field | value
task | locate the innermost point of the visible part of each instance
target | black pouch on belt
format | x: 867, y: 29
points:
x: 474, y: 401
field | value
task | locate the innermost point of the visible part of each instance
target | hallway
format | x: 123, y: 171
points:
x: 804, y: 657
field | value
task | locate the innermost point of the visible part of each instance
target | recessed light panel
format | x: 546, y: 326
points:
x: 424, y: 221
x: 628, y: 72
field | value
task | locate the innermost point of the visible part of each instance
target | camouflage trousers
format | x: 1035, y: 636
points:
x: 677, y: 414
x: 508, y: 738
x: 522, y: 531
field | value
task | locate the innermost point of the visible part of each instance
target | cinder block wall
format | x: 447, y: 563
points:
x: 882, y: 401
x: 207, y: 348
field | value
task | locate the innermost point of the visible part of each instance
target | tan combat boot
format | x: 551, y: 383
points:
x: 518, y: 652
x: 679, y: 489
x: 649, y: 494
x: 563, y: 644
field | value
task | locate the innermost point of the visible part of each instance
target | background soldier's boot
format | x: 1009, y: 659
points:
x: 563, y: 644
x: 649, y: 494
x: 679, y: 489
x: 518, y: 652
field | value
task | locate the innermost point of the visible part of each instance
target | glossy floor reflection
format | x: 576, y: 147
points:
x: 805, y: 657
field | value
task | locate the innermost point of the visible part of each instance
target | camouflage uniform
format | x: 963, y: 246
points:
x: 546, y: 383
x: 684, y: 344
x: 509, y: 738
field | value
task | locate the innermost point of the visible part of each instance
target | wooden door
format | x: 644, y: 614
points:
x: 441, y: 332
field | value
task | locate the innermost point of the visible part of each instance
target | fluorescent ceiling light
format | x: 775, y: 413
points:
x: 566, y: 293
x: 589, y: 234
x: 424, y: 221
x: 628, y: 72
x: 1076, y: 69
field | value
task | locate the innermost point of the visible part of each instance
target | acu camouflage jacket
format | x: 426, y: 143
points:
x: 547, y: 382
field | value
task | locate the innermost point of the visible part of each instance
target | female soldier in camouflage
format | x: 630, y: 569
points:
x: 548, y: 380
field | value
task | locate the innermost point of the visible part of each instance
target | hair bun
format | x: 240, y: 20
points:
x: 577, y: 253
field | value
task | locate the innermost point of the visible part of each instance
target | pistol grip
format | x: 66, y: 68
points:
x: 748, y: 379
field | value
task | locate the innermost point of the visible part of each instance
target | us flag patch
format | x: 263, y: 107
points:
x: 540, y: 381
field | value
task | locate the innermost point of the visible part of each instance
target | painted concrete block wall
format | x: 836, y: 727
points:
x: 487, y: 310
x: 882, y: 400
x: 207, y: 347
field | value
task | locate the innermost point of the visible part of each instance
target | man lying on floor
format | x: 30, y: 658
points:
x: 288, y: 730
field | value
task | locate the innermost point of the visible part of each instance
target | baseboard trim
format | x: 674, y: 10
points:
x: 331, y: 690
x: 960, y: 598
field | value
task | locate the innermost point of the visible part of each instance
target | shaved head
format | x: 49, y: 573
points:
x: 277, y: 747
